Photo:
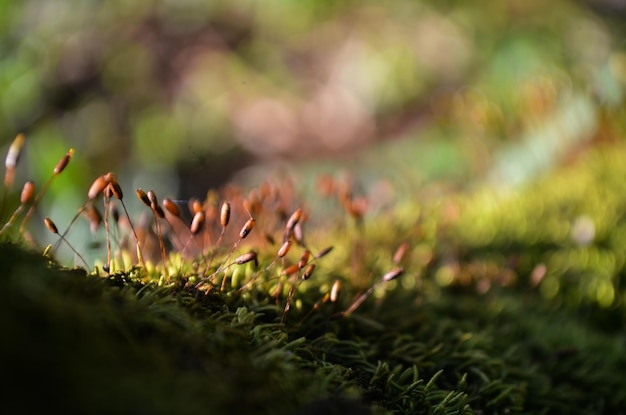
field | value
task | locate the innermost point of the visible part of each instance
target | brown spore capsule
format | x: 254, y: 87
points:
x: 15, y: 150
x: 293, y: 219
x: 323, y: 252
x: 171, y: 207
x: 62, y: 164
x: 27, y: 192
x: 308, y: 272
x: 284, y: 249
x: 97, y: 187
x: 247, y: 257
x: 247, y: 227
x: 292, y: 269
x: 154, y: 204
x: 400, y: 253
x: 143, y: 197
x: 51, y: 226
x: 13, y: 156
x: 304, y: 258
x: 225, y: 214
x: 197, y: 222
x: 152, y: 197
x: 393, y: 274
x: 116, y: 189
x: 335, y: 290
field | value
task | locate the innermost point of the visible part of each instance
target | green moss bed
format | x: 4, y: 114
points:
x: 506, y: 306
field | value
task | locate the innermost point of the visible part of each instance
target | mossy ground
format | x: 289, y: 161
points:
x: 469, y: 328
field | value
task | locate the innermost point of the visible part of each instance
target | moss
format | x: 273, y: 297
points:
x: 84, y: 343
x: 473, y: 325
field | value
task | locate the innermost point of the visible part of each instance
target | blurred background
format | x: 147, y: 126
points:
x: 180, y: 96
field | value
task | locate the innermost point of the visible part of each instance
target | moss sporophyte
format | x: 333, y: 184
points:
x: 252, y: 301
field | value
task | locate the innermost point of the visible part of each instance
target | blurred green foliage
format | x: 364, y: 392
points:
x: 563, y: 234
x: 164, y: 85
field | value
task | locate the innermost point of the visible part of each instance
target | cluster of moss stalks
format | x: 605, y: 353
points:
x: 505, y: 306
